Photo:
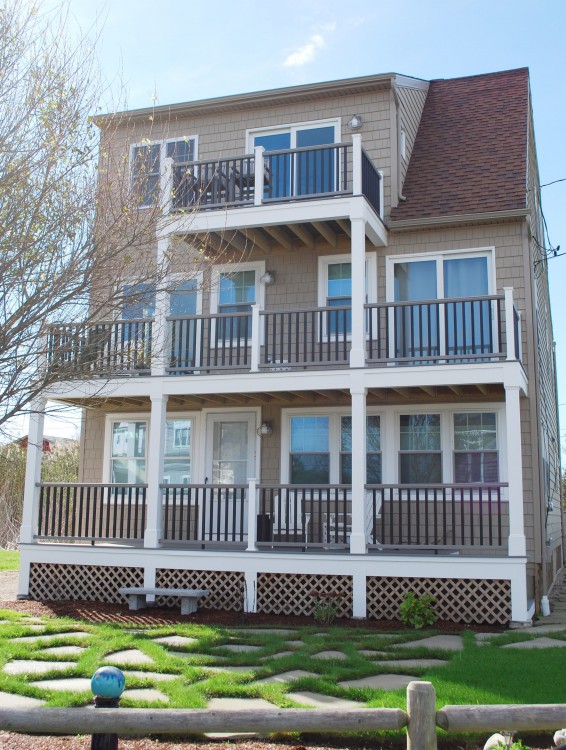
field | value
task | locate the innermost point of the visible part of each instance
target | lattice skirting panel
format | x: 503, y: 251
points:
x: 296, y: 594
x: 94, y: 583
x: 226, y: 588
x: 457, y: 600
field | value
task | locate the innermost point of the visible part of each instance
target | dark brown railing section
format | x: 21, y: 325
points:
x: 214, y: 183
x: 91, y: 511
x: 306, y: 337
x: 371, y: 183
x: 105, y: 347
x: 467, y: 329
x: 450, y: 515
x: 304, y: 515
x: 306, y: 172
x: 209, y: 342
x: 204, y: 513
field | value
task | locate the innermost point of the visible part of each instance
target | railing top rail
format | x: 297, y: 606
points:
x: 201, y: 486
x: 93, y: 323
x: 90, y: 484
x: 296, y: 310
x: 443, y: 301
x: 305, y: 486
x: 321, y: 147
x: 210, y: 315
x: 217, y: 160
x: 468, y: 486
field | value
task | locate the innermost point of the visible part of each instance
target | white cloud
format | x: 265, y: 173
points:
x: 306, y: 53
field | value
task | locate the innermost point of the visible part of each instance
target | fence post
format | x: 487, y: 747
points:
x: 258, y: 175
x: 255, y: 343
x: 107, y: 685
x: 252, y: 515
x: 421, y: 708
x: 509, y: 322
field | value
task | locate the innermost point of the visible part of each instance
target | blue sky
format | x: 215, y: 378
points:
x: 176, y: 50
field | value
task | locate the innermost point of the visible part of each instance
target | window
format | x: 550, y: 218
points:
x: 310, y: 450
x: 475, y: 448
x: 459, y: 327
x: 420, y: 457
x: 128, y: 457
x: 373, y: 450
x: 138, y: 301
x: 335, y: 290
x: 235, y: 289
x: 183, y: 298
x: 178, y: 452
x: 146, y: 160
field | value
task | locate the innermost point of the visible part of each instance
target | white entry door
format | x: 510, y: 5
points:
x: 230, y: 460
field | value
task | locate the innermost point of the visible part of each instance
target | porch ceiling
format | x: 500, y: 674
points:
x: 264, y: 239
x: 336, y: 397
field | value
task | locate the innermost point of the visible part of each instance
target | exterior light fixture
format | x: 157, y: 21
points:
x: 355, y: 122
x: 266, y: 428
x: 268, y: 278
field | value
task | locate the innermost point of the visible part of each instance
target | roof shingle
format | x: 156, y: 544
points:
x: 470, y: 154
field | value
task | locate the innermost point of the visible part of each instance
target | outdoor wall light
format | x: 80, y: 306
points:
x: 356, y: 122
x: 266, y: 428
x: 268, y: 278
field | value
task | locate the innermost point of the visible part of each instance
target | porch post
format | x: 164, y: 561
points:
x: 358, y: 542
x: 517, y: 543
x: 155, y: 470
x: 509, y: 322
x: 258, y: 175
x: 252, y: 515
x: 356, y: 164
x: 255, y: 347
x: 33, y: 471
x: 358, y: 255
x: 159, y: 336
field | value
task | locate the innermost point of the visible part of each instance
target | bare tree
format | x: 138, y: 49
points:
x: 72, y: 230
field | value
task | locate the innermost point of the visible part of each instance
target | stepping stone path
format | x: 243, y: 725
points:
x: 280, y: 655
x: 294, y: 674
x: 235, y: 670
x: 538, y: 643
x: 177, y: 641
x: 328, y: 655
x: 31, y: 666
x: 129, y: 656
x: 318, y: 700
x: 51, y: 637
x: 373, y: 654
x: 11, y: 700
x: 412, y: 663
x: 382, y: 681
x: 264, y: 631
x: 294, y: 644
x: 239, y: 704
x: 191, y: 656
x: 71, y: 684
x: 145, y: 694
x: 64, y: 650
x: 446, y: 642
x: 240, y: 648
x: 155, y: 676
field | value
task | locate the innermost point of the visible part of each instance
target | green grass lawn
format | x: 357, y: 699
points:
x: 477, y: 674
x: 9, y: 559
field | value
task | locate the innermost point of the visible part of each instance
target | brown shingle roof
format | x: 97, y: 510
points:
x: 470, y: 153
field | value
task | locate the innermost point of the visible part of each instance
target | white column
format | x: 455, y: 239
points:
x: 255, y: 344
x: 252, y: 516
x: 166, y: 185
x: 509, y: 322
x: 250, y: 593
x: 156, y: 449
x: 356, y: 164
x: 519, y: 600
x: 517, y: 543
x: 160, y: 329
x: 358, y: 542
x: 358, y: 255
x: 359, y: 604
x: 33, y: 471
x: 258, y: 174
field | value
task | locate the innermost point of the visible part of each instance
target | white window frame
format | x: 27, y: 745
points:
x: 292, y: 128
x: 258, y: 267
x: 325, y: 261
x: 440, y: 255
x: 162, y: 143
x: 175, y: 279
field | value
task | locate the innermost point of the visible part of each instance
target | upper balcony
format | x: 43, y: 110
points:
x: 283, y: 197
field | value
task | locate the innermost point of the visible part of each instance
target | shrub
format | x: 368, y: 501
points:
x: 325, y: 611
x: 418, y: 611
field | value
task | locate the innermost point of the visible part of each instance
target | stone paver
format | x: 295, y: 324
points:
x: 538, y: 643
x: 11, y: 700
x: 483, y: 638
x: 264, y: 631
x: 191, y: 656
x: 294, y: 644
x: 240, y: 648
x: 64, y: 650
x: 327, y: 655
x: 129, y: 656
x: 293, y: 674
x: 239, y: 704
x: 177, y: 641
x: 234, y: 670
x: 146, y: 694
x: 72, y: 684
x: 446, y: 642
x: 373, y: 654
x: 32, y: 666
x: 412, y: 663
x: 51, y: 637
x: 155, y: 676
x: 280, y: 655
x: 382, y: 681
x: 318, y: 700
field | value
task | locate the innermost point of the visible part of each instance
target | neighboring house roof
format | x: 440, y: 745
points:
x: 49, y: 442
x: 470, y: 153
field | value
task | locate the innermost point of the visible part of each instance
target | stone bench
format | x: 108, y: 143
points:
x: 136, y: 597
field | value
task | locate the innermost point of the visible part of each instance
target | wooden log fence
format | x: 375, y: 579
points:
x: 421, y: 719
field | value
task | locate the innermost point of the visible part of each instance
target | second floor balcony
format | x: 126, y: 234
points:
x: 427, y: 332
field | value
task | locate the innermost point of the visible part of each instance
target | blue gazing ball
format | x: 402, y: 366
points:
x: 108, y: 682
